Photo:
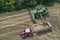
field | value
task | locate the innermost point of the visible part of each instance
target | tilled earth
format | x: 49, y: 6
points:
x: 11, y: 26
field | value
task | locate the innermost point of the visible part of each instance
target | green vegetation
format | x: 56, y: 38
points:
x: 10, y: 5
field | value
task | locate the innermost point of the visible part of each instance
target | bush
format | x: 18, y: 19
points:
x: 9, y: 5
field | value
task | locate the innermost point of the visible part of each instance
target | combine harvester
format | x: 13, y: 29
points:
x: 38, y: 15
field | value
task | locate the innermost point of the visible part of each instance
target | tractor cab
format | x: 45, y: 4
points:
x: 26, y: 33
x: 27, y: 30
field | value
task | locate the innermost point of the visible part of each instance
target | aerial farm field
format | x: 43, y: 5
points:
x: 12, y: 25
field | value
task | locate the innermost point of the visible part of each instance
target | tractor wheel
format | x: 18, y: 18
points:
x: 30, y: 34
x: 23, y: 36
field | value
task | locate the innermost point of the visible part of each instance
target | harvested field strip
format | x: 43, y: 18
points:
x: 13, y: 16
x: 12, y: 28
x: 14, y: 24
x: 13, y: 33
x: 14, y: 20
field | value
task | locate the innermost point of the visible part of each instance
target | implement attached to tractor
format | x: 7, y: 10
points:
x: 38, y: 16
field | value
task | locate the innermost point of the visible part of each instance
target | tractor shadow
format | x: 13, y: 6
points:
x: 43, y: 33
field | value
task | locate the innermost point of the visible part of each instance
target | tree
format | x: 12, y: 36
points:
x: 9, y: 5
x: 33, y: 3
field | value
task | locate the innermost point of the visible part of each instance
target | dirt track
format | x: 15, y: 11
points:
x: 11, y: 26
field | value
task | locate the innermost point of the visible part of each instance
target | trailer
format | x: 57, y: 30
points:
x: 42, y: 27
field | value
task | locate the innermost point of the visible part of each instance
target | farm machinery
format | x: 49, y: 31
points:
x: 38, y: 15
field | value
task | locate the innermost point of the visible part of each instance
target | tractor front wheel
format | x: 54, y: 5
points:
x: 23, y: 36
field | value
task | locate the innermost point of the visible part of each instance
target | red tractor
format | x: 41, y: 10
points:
x: 26, y: 33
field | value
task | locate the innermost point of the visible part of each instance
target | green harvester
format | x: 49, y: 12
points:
x: 38, y: 12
